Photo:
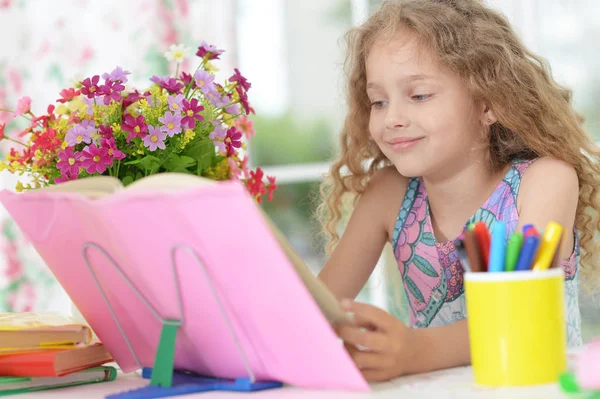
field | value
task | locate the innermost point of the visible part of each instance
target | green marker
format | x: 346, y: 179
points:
x: 471, y: 226
x: 513, y: 250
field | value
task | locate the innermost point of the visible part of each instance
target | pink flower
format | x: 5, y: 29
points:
x: 95, y: 159
x: 245, y: 125
x: 68, y: 161
x: 23, y: 106
x: 113, y: 151
x: 218, y: 137
x: 155, y: 138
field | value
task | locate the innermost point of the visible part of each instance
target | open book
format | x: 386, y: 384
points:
x: 101, y: 186
x: 177, y: 246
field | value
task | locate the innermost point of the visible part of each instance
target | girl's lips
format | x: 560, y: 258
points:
x: 404, y: 143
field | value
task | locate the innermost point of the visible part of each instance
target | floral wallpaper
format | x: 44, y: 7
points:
x: 50, y: 44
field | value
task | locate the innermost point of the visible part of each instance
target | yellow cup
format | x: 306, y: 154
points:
x: 517, y: 327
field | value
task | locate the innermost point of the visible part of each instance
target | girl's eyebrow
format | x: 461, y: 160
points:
x: 410, y: 78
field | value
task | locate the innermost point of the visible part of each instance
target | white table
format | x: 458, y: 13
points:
x: 450, y: 383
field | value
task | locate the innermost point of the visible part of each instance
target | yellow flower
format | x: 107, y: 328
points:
x: 64, y: 145
x: 228, y: 119
x: 19, y: 187
x: 220, y: 171
x: 62, y: 109
x: 210, y: 67
x: 15, y: 166
x: 3, y: 166
x: 187, y: 137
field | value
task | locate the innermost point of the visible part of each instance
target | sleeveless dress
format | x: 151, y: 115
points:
x: 431, y: 272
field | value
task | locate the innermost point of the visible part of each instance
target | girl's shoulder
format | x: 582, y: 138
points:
x: 385, y: 190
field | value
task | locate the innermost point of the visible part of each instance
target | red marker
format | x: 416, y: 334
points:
x: 483, y: 239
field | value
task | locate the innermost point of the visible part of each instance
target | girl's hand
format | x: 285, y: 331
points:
x: 380, y: 345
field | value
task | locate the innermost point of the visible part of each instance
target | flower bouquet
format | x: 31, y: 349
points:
x: 184, y: 123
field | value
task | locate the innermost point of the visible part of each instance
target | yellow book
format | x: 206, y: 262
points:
x: 26, y: 331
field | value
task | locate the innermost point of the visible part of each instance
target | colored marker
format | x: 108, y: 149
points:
x: 473, y: 252
x: 471, y: 226
x: 527, y: 227
x: 549, y: 246
x: 528, y: 252
x: 512, y: 251
x: 483, y: 240
x: 498, y: 247
x: 531, y: 232
x: 462, y: 255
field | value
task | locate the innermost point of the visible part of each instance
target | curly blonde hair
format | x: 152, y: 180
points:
x: 534, y: 114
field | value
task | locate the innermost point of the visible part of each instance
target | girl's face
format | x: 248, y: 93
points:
x: 423, y: 117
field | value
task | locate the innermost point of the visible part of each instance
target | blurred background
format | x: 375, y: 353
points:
x: 291, y: 52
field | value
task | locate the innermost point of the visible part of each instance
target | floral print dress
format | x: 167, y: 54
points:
x: 431, y: 272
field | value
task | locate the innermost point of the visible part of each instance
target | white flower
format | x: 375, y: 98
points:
x: 176, y: 52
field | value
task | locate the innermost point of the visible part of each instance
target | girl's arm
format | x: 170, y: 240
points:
x: 362, y: 242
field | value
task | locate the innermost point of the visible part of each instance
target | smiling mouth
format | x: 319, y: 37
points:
x: 402, y: 144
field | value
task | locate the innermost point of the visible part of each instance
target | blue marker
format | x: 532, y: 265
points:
x: 528, y: 251
x: 498, y: 247
x: 527, y: 227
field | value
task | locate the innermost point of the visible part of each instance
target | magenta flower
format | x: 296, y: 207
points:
x: 175, y: 103
x: 243, y: 99
x: 130, y: 99
x: 186, y: 78
x: 169, y: 84
x: 136, y: 127
x: 95, y: 159
x: 242, y: 81
x: 23, y: 106
x: 155, y: 138
x: 209, y: 51
x: 117, y: 75
x: 78, y: 134
x: 112, y: 91
x: 106, y: 131
x: 90, y: 86
x: 218, y: 137
x: 204, y: 81
x: 69, y: 162
x: 233, y: 140
x: 66, y: 177
x: 113, y: 151
x: 191, y: 113
x: 171, y: 123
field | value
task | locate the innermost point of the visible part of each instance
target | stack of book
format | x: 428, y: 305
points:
x: 47, y: 350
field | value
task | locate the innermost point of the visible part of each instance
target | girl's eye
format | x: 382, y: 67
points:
x: 377, y: 104
x: 421, y: 97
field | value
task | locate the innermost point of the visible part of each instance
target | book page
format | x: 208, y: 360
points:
x: 91, y: 187
x: 329, y: 305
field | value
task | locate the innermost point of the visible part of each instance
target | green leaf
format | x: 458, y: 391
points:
x: 149, y: 162
x: 203, y: 152
x: 127, y: 180
x: 424, y: 266
x: 177, y: 163
x: 412, y: 287
x: 428, y: 239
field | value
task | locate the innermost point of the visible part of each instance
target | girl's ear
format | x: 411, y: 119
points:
x: 488, y: 117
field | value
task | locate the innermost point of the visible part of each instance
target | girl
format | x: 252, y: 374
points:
x: 456, y: 122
